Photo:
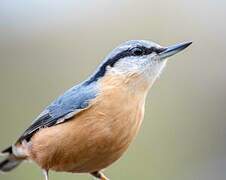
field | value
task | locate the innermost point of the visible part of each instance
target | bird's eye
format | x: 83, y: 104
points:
x: 137, y: 51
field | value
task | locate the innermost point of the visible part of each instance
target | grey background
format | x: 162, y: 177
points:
x: 48, y: 46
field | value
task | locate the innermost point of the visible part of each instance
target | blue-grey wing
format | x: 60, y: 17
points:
x: 66, y: 106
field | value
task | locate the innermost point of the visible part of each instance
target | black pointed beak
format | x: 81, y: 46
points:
x: 174, y: 49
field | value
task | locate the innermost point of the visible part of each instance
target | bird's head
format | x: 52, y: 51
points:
x: 137, y: 58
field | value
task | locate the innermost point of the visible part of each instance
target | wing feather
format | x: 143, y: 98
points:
x: 66, y: 106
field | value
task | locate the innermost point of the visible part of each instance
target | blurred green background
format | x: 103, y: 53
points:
x: 48, y: 46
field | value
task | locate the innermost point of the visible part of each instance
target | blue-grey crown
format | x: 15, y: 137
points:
x: 126, y: 49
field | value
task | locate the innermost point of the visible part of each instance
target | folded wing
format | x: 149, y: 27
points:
x: 63, y: 108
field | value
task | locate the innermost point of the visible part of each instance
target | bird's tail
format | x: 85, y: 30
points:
x: 10, y: 162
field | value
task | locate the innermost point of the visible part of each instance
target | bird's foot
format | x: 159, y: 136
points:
x: 46, y: 174
x: 99, y: 175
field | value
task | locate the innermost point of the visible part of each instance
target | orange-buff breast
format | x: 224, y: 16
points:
x: 97, y: 136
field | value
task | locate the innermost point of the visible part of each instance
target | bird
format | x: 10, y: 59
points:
x: 91, y: 125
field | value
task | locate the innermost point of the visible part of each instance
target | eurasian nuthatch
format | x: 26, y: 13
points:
x: 92, y: 124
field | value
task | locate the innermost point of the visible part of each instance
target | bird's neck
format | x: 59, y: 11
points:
x: 131, y: 83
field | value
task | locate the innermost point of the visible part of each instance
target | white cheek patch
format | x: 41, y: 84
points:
x: 149, y: 68
x: 154, y: 69
x: 126, y: 66
x: 160, y: 68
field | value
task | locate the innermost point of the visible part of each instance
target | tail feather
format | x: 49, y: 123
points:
x: 8, y: 150
x: 10, y: 162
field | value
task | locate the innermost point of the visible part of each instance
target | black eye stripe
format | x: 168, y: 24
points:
x: 145, y: 50
x: 126, y: 53
x: 152, y: 49
x: 137, y: 51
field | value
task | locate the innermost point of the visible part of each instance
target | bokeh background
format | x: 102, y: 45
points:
x: 48, y: 46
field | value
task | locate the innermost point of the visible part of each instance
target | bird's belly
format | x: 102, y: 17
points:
x: 85, y: 147
x: 90, y: 141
